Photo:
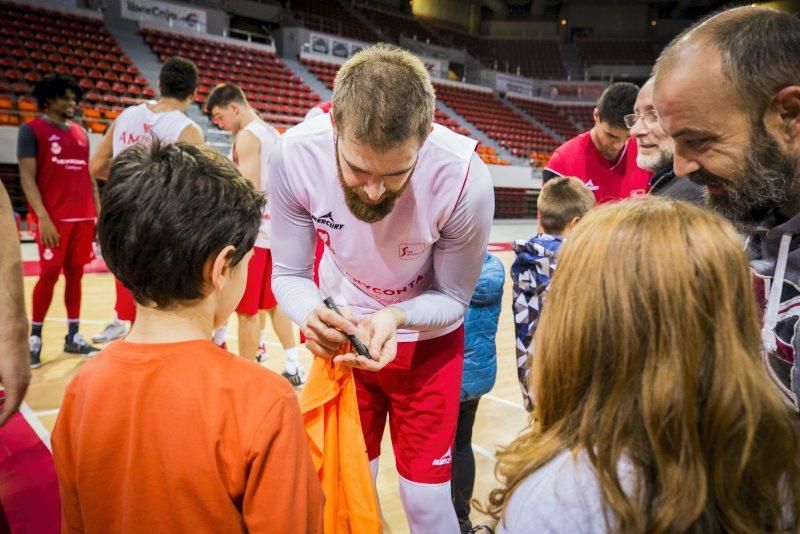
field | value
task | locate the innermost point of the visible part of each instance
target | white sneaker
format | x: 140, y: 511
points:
x: 113, y: 330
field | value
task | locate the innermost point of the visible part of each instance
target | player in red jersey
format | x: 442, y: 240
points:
x: 53, y: 153
x: 604, y: 158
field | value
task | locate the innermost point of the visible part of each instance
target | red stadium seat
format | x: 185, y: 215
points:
x: 27, y: 103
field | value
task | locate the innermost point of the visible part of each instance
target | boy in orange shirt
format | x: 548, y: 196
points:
x: 164, y: 431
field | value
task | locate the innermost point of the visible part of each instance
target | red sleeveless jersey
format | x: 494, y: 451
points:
x: 62, y: 170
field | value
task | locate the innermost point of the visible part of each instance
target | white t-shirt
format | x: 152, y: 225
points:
x: 267, y: 137
x: 424, y: 257
x: 137, y: 123
x: 563, y: 497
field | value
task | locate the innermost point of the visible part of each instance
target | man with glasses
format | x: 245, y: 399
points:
x: 656, y: 150
x: 604, y: 158
x: 405, y: 207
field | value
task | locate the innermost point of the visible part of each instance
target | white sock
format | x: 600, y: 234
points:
x: 116, y: 320
x: 429, y: 507
x: 220, y: 334
x: 292, y: 361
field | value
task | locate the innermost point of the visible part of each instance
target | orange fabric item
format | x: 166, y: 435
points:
x: 333, y: 431
x: 182, y: 437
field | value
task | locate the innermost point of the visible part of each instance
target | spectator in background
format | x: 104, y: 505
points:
x: 480, y: 371
x: 53, y: 154
x: 728, y: 91
x: 656, y: 150
x: 604, y: 158
x: 561, y: 204
x: 653, y: 410
x: 15, y: 372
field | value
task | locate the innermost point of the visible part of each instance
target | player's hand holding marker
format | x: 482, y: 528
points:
x: 379, y: 333
x: 327, y: 329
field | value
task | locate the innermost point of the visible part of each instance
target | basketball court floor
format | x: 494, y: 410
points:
x: 500, y: 414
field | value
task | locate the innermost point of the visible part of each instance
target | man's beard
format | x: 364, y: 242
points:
x: 369, y: 213
x: 653, y: 162
x: 767, y: 182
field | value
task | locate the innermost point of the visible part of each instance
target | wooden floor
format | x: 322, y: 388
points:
x: 500, y: 414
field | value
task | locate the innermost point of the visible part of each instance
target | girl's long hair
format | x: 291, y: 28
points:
x: 648, y: 348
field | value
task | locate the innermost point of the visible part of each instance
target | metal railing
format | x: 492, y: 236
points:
x: 250, y: 37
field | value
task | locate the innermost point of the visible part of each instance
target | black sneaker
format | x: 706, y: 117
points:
x: 35, y: 345
x: 79, y: 345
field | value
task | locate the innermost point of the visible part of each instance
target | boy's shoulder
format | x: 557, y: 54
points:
x: 191, y: 361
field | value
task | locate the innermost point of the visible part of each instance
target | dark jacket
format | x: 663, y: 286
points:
x: 781, y: 335
x: 666, y: 184
x: 480, y: 327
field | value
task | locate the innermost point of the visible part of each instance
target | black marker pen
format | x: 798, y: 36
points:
x: 357, y: 344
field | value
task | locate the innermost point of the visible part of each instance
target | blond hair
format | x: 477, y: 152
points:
x: 383, y: 97
x: 648, y: 349
x: 560, y: 201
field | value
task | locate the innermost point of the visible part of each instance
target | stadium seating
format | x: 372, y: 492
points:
x: 514, y: 203
x: 398, y: 24
x: 582, y: 115
x: 323, y: 70
x: 278, y: 94
x: 595, y: 51
x: 330, y: 17
x: 501, y: 123
x: 36, y: 42
x: 554, y: 117
x: 536, y: 58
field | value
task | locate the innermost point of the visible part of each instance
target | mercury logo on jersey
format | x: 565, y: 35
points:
x: 327, y: 220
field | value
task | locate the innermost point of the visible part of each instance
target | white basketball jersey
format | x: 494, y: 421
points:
x: 137, y: 123
x: 267, y: 137
x: 371, y: 266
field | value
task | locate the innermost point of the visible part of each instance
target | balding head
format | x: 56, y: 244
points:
x: 728, y: 92
x: 758, y: 50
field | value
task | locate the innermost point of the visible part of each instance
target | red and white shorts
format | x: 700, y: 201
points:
x: 74, y: 244
x: 420, y: 393
x: 258, y: 292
